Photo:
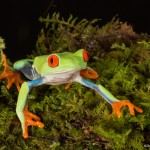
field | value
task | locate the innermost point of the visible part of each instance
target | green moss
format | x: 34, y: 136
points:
x: 78, y: 118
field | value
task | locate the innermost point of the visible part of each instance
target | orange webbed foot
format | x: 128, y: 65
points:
x: 89, y: 73
x: 31, y: 120
x: 12, y: 76
x: 116, y: 106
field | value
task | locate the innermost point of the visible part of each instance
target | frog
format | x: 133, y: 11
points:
x: 55, y: 69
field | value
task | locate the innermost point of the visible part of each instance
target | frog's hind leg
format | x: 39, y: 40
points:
x: 12, y: 76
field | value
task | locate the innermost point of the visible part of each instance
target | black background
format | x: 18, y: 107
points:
x: 19, y: 24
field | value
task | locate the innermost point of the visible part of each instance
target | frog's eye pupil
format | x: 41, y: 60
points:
x: 53, y: 61
x: 85, y: 55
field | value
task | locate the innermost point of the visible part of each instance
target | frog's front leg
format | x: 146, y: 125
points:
x: 26, y: 118
x: 115, y: 103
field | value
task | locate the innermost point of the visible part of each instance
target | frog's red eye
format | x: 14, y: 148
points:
x: 85, y: 55
x: 53, y: 61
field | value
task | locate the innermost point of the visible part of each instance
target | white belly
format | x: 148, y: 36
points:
x: 60, y: 78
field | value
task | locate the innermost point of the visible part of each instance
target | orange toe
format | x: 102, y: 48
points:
x: 31, y: 120
x: 40, y: 124
x: 25, y: 135
x: 68, y: 85
x: 12, y: 76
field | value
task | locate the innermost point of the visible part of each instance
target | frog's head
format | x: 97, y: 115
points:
x: 64, y: 62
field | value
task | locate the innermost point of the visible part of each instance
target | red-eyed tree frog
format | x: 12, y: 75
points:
x: 55, y: 69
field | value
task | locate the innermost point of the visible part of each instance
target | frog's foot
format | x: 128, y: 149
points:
x: 31, y: 120
x: 68, y: 85
x: 89, y: 73
x: 116, y: 106
x: 12, y: 76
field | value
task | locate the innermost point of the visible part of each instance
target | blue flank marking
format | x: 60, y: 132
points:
x: 96, y: 88
x: 35, y: 82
